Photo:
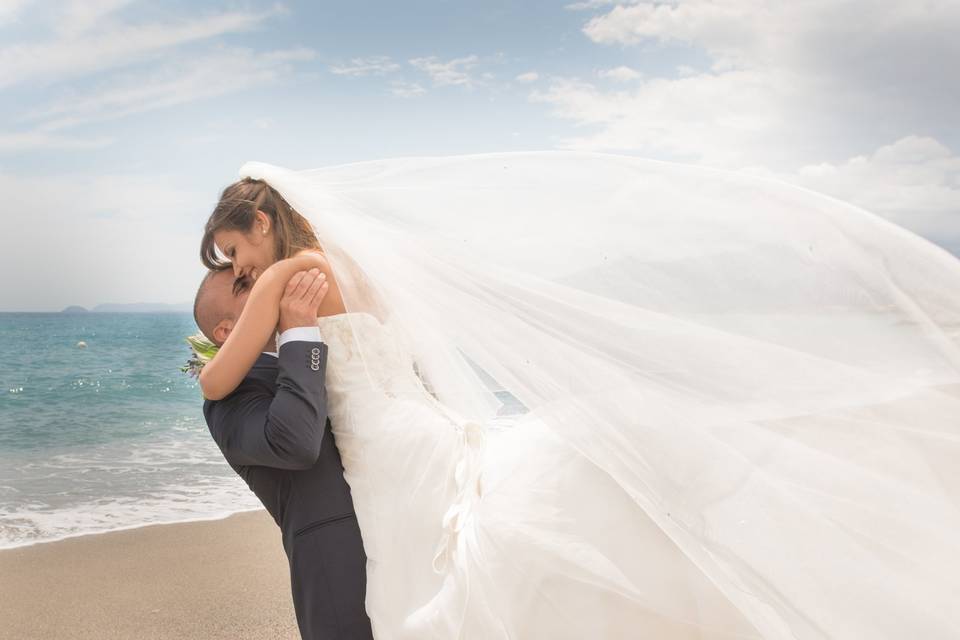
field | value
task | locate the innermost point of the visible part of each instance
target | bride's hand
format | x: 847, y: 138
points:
x: 301, y: 299
x: 279, y: 273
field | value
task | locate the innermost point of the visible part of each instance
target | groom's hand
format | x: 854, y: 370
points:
x: 301, y: 298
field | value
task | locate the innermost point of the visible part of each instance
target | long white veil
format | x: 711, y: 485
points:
x: 772, y: 376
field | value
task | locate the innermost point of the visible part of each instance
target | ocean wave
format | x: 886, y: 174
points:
x: 172, y: 476
x: 32, y: 523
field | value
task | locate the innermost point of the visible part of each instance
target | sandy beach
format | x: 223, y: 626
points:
x: 206, y: 580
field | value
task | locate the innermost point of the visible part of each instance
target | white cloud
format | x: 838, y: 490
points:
x: 914, y: 176
x: 595, y: 4
x: 620, y: 74
x: 529, y: 76
x: 913, y: 182
x: 786, y: 84
x: 113, y: 47
x: 372, y: 65
x: 81, y: 15
x: 39, y: 141
x: 705, y: 118
x: 814, y: 35
x: 404, y: 89
x: 849, y: 46
x: 186, y: 80
x: 10, y: 9
x: 451, y: 72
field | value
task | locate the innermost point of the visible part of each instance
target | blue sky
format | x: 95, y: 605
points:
x: 122, y: 120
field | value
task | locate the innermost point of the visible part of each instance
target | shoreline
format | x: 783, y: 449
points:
x: 130, y: 527
x: 214, y: 579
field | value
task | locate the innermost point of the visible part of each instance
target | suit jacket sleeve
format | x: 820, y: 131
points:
x: 252, y: 426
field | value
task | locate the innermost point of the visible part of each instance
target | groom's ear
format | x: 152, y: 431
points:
x: 221, y: 331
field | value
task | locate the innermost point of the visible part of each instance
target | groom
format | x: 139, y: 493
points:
x: 274, y: 431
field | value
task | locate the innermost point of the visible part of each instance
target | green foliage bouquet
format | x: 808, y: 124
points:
x: 202, y: 352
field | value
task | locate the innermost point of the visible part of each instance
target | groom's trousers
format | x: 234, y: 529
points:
x: 274, y: 431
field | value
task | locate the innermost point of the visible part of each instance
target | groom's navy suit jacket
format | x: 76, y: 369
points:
x: 274, y: 431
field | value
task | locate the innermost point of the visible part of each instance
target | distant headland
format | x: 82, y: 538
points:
x: 133, y: 307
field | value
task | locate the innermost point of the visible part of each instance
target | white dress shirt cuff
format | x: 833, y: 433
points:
x: 299, y: 334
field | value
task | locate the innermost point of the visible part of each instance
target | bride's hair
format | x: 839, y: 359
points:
x: 237, y: 210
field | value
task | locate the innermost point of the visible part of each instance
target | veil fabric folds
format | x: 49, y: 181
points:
x: 770, y: 375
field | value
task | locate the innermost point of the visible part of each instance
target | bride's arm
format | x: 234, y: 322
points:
x: 257, y: 322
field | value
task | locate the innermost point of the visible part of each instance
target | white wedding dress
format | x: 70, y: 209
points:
x: 508, y: 533
x: 736, y: 401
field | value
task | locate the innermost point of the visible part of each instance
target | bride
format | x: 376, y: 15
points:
x: 590, y: 396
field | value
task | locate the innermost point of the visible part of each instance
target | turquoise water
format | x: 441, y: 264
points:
x: 104, y: 437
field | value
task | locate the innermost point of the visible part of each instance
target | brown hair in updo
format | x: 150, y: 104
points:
x: 236, y: 211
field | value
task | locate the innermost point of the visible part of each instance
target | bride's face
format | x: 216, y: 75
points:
x: 250, y: 252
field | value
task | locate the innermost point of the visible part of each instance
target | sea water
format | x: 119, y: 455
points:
x: 106, y: 436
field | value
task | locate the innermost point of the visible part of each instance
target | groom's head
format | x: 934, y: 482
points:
x: 220, y: 299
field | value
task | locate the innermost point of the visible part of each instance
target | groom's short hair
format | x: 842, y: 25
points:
x: 207, y: 310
